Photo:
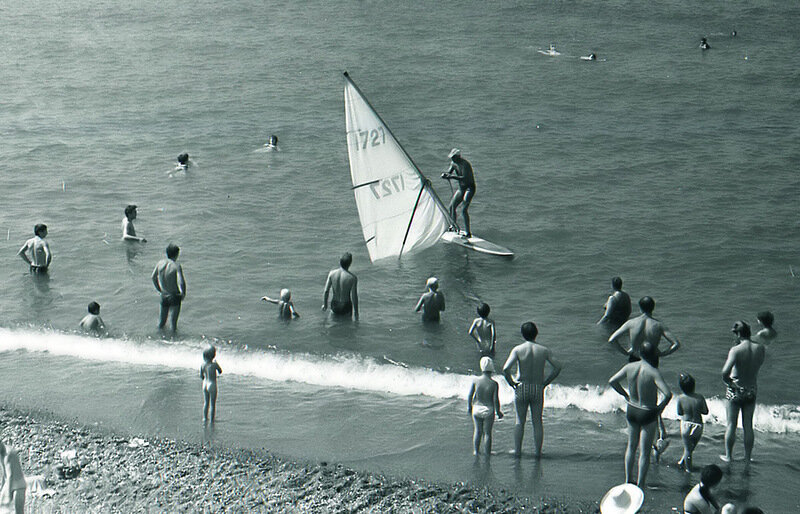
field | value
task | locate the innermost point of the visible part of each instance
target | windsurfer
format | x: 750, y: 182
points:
x: 344, y: 285
x: 461, y: 170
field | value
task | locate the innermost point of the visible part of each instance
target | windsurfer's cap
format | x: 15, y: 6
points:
x: 433, y: 281
x: 454, y: 152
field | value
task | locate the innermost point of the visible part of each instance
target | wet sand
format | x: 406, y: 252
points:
x: 115, y: 473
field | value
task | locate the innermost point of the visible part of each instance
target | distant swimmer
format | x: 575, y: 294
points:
x: 740, y: 374
x: 344, y: 286
x: 530, y: 359
x: 431, y: 302
x: 767, y: 334
x: 183, y: 161
x: 170, y: 282
x: 92, y: 322
x: 590, y: 57
x: 550, y: 51
x: 645, y: 328
x: 704, y: 44
x: 208, y: 372
x: 285, y: 306
x: 617, y: 307
x: 461, y: 170
x: 272, y: 144
x: 644, y: 383
x: 483, y: 402
x: 483, y: 331
x: 733, y: 34
x: 700, y: 500
x: 128, y: 232
x: 39, y: 250
x: 15, y: 484
x: 691, y: 407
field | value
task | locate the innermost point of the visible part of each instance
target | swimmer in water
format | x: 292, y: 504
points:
x: 272, y: 144
x: 128, y: 232
x: 342, y: 286
x: 431, y: 302
x: 92, y: 322
x: 285, y: 306
x: 39, y: 249
x: 704, y: 44
x: 767, y: 334
x: 183, y: 162
x: 483, y: 331
x: 208, y: 372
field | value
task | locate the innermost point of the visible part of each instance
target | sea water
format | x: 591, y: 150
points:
x: 671, y: 167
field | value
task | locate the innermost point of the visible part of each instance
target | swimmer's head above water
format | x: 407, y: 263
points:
x: 286, y: 295
x: 130, y: 212
x: 94, y: 308
x: 183, y: 159
x: 273, y: 140
x: 766, y: 318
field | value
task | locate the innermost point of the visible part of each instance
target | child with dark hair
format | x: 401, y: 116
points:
x: 700, y: 500
x: 767, y: 334
x: 483, y: 331
x: 92, y: 322
x: 208, y: 372
x: 691, y: 407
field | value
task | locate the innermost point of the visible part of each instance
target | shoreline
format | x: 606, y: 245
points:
x: 116, y: 473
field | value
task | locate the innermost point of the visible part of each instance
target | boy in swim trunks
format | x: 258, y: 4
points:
x: 483, y: 331
x: 691, y: 407
x: 740, y: 374
x: 530, y: 358
x: 483, y: 402
x: 431, y: 302
x: 14, y: 487
x: 342, y: 286
x: 39, y: 249
x: 644, y: 383
x: 285, y: 306
x: 208, y: 372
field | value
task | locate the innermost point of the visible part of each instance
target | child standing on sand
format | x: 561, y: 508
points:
x: 285, y: 306
x: 482, y: 404
x: 208, y: 372
x: 482, y: 330
x: 691, y: 407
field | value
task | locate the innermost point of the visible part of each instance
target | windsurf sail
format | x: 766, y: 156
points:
x: 399, y: 210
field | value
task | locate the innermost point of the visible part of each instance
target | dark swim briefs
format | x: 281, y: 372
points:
x: 170, y: 300
x: 640, y: 416
x: 341, y: 308
x: 40, y: 270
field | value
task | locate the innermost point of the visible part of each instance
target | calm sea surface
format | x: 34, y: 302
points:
x: 671, y: 167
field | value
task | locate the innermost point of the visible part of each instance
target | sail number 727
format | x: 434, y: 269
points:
x: 388, y: 186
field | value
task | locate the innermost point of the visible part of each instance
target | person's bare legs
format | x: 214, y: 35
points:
x: 536, y: 421
x: 730, y: 432
x: 19, y: 501
x: 747, y: 424
x: 465, y: 209
x: 162, y: 320
x: 454, y: 203
x: 645, y: 449
x: 206, y: 403
x: 686, y: 459
x: 175, y: 312
x: 477, y: 434
x: 630, y: 451
x: 488, y: 424
x: 213, y: 394
x: 521, y: 408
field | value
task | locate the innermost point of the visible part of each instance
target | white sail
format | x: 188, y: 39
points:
x: 399, y: 212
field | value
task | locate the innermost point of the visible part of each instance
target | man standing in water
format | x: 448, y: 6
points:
x: 618, y: 307
x: 345, y: 289
x: 530, y: 358
x: 431, y: 302
x: 645, y: 328
x: 461, y: 170
x: 40, y: 255
x: 169, y: 281
x: 740, y: 374
x: 644, y: 384
x: 128, y: 232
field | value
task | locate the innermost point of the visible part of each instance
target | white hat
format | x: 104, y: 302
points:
x: 622, y: 499
x: 454, y: 152
x: 487, y: 364
x: 285, y: 294
x: 728, y: 508
x: 433, y: 281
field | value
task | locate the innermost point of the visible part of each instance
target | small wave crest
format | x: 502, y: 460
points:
x: 350, y: 372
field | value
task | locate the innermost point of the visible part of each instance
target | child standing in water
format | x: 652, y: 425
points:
x: 691, y: 407
x: 482, y: 330
x: 208, y: 372
x: 285, y: 306
x: 483, y: 402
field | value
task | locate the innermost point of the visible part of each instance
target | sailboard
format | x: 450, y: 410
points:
x: 399, y: 210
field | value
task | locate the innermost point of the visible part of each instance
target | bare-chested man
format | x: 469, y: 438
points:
x: 461, y: 170
x: 740, y: 374
x: 617, y: 307
x: 431, y: 302
x: 530, y: 358
x: 128, y: 231
x: 40, y: 256
x: 344, y: 286
x: 645, y: 328
x: 644, y: 383
x: 169, y: 281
